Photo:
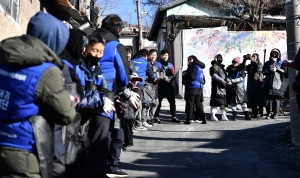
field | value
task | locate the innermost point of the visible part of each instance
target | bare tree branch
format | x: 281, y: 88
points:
x: 105, y: 5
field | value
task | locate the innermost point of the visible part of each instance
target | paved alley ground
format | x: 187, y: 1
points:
x: 224, y: 149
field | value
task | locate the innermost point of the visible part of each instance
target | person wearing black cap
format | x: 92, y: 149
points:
x: 275, y: 83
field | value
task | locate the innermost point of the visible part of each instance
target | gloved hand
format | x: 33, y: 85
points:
x: 224, y: 83
x: 134, y: 100
x: 287, y: 63
x: 229, y: 82
x: 132, y: 86
x: 166, y: 79
x: 108, y: 106
x: 118, y: 104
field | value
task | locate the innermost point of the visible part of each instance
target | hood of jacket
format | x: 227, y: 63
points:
x: 54, y: 33
x: 213, y: 62
x: 73, y: 50
x: 26, y: 50
x: 198, y: 63
x: 108, y: 35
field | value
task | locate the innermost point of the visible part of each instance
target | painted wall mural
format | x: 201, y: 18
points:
x: 206, y: 43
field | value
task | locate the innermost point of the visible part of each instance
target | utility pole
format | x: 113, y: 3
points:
x: 139, y: 24
x: 293, y: 38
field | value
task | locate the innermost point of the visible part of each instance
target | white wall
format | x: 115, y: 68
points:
x: 126, y: 41
x: 206, y: 43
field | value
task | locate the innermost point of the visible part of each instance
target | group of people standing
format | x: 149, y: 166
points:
x: 70, y: 101
x: 266, y: 84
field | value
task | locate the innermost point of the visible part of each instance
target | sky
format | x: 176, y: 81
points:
x: 126, y: 9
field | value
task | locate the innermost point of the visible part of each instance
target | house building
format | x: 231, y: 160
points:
x: 129, y: 37
x: 15, y: 15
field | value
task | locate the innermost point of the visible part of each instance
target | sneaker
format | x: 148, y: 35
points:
x: 117, y: 173
x: 268, y: 116
x: 156, y: 120
x: 192, y: 121
x: 197, y: 121
x: 213, y: 118
x: 150, y: 121
x: 174, y: 119
x: 274, y: 116
x: 145, y: 124
x: 141, y: 128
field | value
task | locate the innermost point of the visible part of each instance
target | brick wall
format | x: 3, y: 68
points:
x: 9, y: 27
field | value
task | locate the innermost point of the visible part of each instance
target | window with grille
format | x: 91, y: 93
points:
x: 11, y: 8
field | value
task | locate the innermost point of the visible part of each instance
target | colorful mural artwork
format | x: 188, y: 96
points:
x: 206, y: 43
x: 219, y: 39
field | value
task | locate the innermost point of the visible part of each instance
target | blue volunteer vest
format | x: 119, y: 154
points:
x: 18, y: 103
x: 80, y: 73
x: 197, y: 83
x: 107, y: 62
x: 68, y: 63
x: 159, y: 66
x: 279, y: 63
x: 140, y: 66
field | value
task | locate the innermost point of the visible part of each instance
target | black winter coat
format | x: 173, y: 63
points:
x: 254, y: 85
x: 275, y: 83
x: 218, y: 90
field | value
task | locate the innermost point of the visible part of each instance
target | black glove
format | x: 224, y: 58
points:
x: 119, y: 104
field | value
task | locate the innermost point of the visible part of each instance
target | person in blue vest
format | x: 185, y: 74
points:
x: 115, y: 68
x: 236, y: 74
x: 194, y: 78
x: 165, y: 87
x: 152, y: 56
x: 91, y: 76
x: 143, y: 70
x: 275, y: 83
x: 72, y: 162
x: 32, y: 89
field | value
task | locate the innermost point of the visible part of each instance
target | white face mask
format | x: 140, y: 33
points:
x: 273, y: 59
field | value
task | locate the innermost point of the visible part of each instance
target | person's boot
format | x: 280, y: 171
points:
x: 268, y: 115
x: 246, y: 113
x: 156, y: 120
x: 254, y: 112
x: 261, y: 111
x: 274, y: 115
x: 234, y: 115
x: 213, y: 114
x: 224, y: 117
x: 187, y: 121
x: 204, y: 120
x: 174, y: 119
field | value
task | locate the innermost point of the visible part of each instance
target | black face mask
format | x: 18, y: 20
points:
x: 92, y: 60
x: 219, y: 62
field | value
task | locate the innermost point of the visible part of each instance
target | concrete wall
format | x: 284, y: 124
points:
x: 9, y: 27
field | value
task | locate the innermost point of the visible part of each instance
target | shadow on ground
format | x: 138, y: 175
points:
x: 231, y: 154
